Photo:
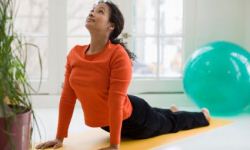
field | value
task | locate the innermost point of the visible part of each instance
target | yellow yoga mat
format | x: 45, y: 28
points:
x: 95, y: 138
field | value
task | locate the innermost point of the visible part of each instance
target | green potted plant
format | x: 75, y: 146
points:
x: 16, y: 112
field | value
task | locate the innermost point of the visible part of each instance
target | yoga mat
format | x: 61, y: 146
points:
x: 95, y: 138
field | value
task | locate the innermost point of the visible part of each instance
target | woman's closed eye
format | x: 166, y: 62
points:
x: 100, y: 11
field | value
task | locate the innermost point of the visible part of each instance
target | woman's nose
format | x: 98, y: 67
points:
x: 91, y: 14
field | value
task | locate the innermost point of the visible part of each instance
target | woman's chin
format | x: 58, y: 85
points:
x: 88, y: 25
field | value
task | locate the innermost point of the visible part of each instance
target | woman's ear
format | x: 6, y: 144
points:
x: 112, y: 27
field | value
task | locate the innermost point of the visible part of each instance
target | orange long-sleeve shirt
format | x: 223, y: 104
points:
x: 100, y: 82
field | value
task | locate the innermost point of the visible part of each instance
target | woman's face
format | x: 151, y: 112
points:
x: 98, y: 19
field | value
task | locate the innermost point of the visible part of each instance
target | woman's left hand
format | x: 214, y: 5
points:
x: 111, y: 147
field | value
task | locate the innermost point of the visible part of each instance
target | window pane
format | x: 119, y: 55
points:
x: 171, y: 57
x: 146, y: 62
x: 35, y: 8
x: 145, y: 20
x: 171, y: 16
x: 33, y: 67
x: 32, y: 23
x: 76, y: 27
x: 32, y: 26
x: 77, y: 12
x: 163, y: 21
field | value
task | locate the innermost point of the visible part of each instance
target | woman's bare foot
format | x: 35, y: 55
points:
x: 173, y: 108
x: 206, y: 113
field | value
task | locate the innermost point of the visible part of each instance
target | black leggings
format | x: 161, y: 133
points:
x: 146, y: 121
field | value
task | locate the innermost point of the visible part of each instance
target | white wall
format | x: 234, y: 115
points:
x: 247, y: 28
x: 211, y: 20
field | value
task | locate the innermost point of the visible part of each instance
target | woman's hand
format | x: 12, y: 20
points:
x: 111, y: 147
x: 57, y: 143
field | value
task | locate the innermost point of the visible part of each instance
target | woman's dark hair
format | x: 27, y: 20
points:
x: 117, y: 19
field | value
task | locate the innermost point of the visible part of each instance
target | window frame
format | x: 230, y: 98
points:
x: 163, y: 84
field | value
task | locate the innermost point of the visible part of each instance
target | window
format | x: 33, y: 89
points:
x: 31, y: 22
x: 155, y: 26
x: 156, y: 29
x: 157, y: 36
x: 77, y: 11
x: 162, y: 33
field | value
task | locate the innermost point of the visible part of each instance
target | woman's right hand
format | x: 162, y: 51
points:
x: 57, y: 143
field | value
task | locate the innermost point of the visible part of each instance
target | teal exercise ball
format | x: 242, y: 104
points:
x: 217, y: 76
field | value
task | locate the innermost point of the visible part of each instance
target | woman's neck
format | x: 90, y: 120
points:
x: 97, y: 43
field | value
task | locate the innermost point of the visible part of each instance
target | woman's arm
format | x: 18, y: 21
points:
x: 66, y: 107
x: 121, y: 72
x: 67, y: 104
x: 111, y: 147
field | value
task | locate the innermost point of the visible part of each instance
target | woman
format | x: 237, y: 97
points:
x: 98, y: 75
